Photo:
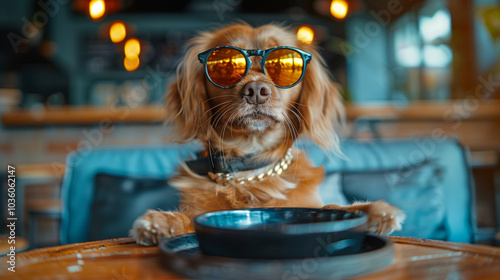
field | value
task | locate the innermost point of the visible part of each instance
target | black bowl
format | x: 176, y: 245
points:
x: 280, y: 233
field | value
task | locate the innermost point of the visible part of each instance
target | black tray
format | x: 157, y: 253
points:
x: 279, y: 233
x: 182, y: 255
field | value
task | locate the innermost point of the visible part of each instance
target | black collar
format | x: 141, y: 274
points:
x: 217, y: 163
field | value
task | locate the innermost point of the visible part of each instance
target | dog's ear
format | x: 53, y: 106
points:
x: 185, y: 107
x: 321, y: 105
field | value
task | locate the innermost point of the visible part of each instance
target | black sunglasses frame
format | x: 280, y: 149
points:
x: 306, y: 57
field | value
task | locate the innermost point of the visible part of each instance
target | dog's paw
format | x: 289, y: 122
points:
x: 153, y: 226
x: 384, y: 218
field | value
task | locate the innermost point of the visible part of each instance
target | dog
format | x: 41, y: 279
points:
x: 238, y: 91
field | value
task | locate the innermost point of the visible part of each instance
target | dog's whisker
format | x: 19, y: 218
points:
x: 219, y: 118
x: 287, y: 124
x: 295, y: 136
x: 297, y: 129
x: 298, y: 119
x: 218, y: 96
x: 297, y: 103
x: 293, y: 132
x: 294, y: 129
x: 240, y: 76
x: 218, y: 105
x: 216, y: 113
x: 221, y: 138
x: 296, y: 113
x: 232, y: 121
x: 224, y: 132
x: 284, y: 128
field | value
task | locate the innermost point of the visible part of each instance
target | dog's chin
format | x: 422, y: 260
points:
x: 258, y: 123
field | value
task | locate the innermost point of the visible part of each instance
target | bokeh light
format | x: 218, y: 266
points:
x: 97, y: 8
x: 117, y: 31
x: 131, y: 63
x: 305, y: 34
x: 339, y: 9
x: 132, y: 47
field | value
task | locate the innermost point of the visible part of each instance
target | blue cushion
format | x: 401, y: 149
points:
x: 379, y: 155
x: 418, y: 192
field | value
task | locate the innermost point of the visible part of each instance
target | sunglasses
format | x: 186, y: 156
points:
x: 225, y: 66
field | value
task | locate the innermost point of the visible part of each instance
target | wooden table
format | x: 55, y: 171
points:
x: 122, y: 259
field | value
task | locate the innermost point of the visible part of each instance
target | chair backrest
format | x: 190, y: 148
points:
x: 102, y: 187
x: 83, y: 167
x: 430, y: 179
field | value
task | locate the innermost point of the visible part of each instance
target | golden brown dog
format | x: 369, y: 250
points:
x: 253, y: 118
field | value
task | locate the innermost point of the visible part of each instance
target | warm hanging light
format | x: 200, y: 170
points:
x: 97, y: 9
x: 131, y: 63
x: 339, y: 8
x: 117, y: 31
x: 305, y: 34
x: 132, y: 47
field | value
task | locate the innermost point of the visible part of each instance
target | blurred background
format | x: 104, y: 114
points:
x: 75, y: 74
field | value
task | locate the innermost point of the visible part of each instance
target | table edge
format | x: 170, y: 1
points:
x: 44, y: 254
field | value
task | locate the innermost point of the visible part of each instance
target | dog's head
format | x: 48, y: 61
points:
x: 254, y: 115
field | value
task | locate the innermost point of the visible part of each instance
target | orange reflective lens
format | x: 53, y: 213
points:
x: 284, y: 67
x: 226, y: 66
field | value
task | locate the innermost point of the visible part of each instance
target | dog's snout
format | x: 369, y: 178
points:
x: 256, y: 92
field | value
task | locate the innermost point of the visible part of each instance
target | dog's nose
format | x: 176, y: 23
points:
x: 256, y: 92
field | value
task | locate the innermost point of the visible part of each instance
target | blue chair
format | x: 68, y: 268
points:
x: 106, y: 188
x: 79, y: 188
